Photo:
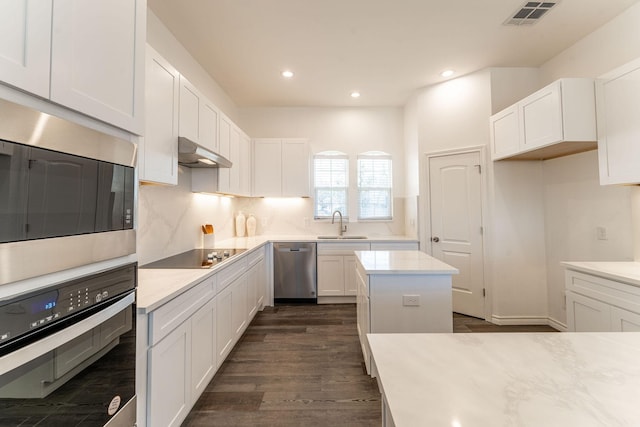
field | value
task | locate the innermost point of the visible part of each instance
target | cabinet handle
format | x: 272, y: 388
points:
x: 435, y: 239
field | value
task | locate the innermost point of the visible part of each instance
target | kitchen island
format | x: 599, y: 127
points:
x: 533, y: 379
x: 401, y: 291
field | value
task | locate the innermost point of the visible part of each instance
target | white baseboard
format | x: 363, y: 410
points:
x: 528, y: 320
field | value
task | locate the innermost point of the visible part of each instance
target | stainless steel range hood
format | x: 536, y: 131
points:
x: 193, y: 155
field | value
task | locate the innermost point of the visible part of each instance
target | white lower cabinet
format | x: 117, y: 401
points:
x: 239, y: 310
x: 203, y: 347
x: 224, y: 328
x: 168, y: 396
x: 598, y: 304
x: 336, y: 268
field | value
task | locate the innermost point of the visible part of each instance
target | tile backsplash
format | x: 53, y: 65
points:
x: 170, y: 218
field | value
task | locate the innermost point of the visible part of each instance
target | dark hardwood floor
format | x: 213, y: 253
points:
x: 301, y: 365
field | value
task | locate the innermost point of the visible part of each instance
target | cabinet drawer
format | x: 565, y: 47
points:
x: 342, y: 248
x: 231, y: 272
x: 170, y: 315
x: 614, y: 293
x: 255, y: 257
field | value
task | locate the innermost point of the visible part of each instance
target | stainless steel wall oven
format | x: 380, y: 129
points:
x: 68, y: 272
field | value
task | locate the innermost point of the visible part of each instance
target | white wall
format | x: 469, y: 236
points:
x: 350, y: 130
x: 575, y: 204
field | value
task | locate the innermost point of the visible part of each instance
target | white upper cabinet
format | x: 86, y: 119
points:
x: 189, y: 110
x: 295, y: 167
x: 267, y: 167
x: 618, y: 103
x: 280, y: 167
x: 86, y: 55
x: 224, y: 174
x: 158, y: 152
x: 25, y: 45
x: 555, y: 121
x: 97, y: 59
x: 208, y: 125
x: 198, y: 116
x: 245, y: 164
x: 505, y: 133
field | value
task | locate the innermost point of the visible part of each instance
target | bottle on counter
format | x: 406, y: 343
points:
x: 240, y: 224
x: 251, y: 226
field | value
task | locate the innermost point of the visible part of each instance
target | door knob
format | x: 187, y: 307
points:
x: 435, y: 239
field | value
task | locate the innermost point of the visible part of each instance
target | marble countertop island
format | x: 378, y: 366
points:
x: 402, y: 262
x: 506, y: 379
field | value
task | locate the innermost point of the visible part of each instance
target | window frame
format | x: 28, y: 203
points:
x: 375, y: 155
x: 331, y: 155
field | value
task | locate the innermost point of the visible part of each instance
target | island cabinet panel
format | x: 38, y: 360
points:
x: 401, y: 292
x: 600, y: 304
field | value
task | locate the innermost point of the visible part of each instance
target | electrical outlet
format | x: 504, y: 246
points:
x: 601, y: 233
x: 411, y: 300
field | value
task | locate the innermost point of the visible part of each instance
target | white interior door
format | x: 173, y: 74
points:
x: 455, y: 199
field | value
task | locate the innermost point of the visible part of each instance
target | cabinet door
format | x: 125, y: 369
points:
x: 617, y: 104
x: 234, y: 156
x: 262, y: 284
x: 253, y: 281
x: 25, y: 45
x: 295, y: 168
x: 624, y: 320
x: 245, y: 164
x: 97, y: 59
x: 189, y: 110
x: 208, y: 125
x: 330, y: 275
x: 505, y: 133
x: 224, y: 328
x: 168, y: 387
x: 541, y: 118
x: 239, y: 310
x: 203, y: 348
x: 585, y: 314
x: 224, y: 174
x: 350, y: 283
x: 267, y: 167
x: 158, y: 156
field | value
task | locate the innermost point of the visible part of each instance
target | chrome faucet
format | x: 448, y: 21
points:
x: 333, y: 217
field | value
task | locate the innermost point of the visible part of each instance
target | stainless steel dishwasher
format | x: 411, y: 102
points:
x: 294, y: 272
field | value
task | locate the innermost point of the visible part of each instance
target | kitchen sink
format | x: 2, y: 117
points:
x: 343, y: 237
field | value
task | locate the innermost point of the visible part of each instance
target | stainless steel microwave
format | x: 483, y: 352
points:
x: 67, y: 194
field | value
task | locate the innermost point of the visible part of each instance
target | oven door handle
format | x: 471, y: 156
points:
x: 27, y: 353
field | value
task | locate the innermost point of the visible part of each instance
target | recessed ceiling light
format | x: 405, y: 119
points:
x: 447, y: 73
x: 355, y: 94
x: 287, y: 74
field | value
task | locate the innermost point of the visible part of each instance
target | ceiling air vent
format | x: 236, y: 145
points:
x: 530, y: 13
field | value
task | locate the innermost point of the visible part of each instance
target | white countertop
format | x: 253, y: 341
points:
x: 504, y: 379
x: 402, y: 262
x: 624, y: 271
x: 158, y: 286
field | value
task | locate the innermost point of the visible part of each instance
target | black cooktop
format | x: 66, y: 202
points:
x: 196, y: 258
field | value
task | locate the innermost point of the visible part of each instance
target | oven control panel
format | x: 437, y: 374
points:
x: 27, y: 313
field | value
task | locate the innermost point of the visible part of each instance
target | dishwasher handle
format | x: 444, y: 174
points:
x: 293, y: 250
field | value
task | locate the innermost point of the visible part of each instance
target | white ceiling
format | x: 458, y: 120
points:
x: 386, y: 49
